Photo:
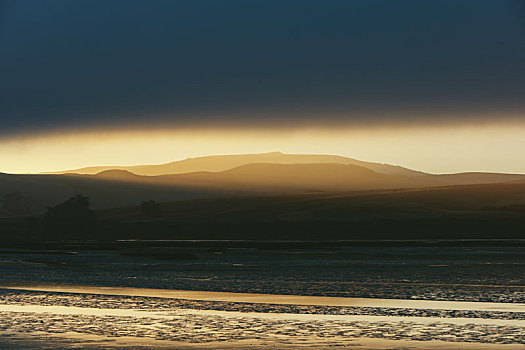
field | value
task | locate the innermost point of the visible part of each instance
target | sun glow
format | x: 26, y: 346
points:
x: 433, y: 149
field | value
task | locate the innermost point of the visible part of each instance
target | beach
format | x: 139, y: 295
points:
x: 253, y: 295
x: 123, y: 319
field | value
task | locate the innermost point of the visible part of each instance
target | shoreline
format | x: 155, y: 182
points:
x: 277, y: 299
x: 71, y: 310
x: 361, y: 343
x: 48, y: 319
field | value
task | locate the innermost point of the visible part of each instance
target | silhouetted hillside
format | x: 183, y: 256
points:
x: 476, y: 211
x: 116, y: 188
x: 225, y: 162
x: 117, y: 174
x: 42, y: 191
x: 268, y: 178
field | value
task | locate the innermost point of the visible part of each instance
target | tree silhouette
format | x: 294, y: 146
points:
x: 73, y: 216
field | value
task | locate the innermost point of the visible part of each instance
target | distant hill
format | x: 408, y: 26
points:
x: 287, y: 178
x: 37, y: 192
x: 351, y: 206
x: 32, y: 194
x: 120, y: 175
x: 269, y: 178
x: 472, y: 178
x: 519, y: 181
x: 225, y: 162
x: 329, y: 176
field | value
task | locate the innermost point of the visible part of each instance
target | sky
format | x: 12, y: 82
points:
x: 436, y: 85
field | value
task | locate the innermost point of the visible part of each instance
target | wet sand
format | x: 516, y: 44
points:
x: 99, y: 317
x: 71, y: 310
x: 73, y: 340
x: 280, y: 299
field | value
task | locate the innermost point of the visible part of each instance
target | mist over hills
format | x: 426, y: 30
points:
x: 268, y: 174
x: 225, y: 162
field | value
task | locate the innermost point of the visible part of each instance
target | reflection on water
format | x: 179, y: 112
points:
x: 477, y: 272
x: 175, y: 314
x: 211, y: 328
x: 273, y: 299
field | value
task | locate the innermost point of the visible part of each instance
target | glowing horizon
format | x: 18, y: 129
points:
x: 433, y: 149
x: 425, y: 85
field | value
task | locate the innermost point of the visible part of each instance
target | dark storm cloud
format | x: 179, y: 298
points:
x: 85, y: 63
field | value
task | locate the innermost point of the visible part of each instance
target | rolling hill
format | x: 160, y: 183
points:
x: 32, y: 194
x: 490, y: 211
x: 224, y: 162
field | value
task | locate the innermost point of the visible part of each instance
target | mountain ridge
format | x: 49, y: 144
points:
x: 31, y: 193
x: 217, y: 163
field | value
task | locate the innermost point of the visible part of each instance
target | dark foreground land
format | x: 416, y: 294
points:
x: 457, y: 212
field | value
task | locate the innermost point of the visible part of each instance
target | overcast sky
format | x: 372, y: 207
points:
x: 91, y: 63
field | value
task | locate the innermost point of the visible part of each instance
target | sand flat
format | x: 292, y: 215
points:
x: 48, y: 320
x: 71, y: 310
x: 41, y: 341
x: 279, y: 299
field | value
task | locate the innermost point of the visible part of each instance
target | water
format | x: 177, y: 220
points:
x: 476, y: 271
